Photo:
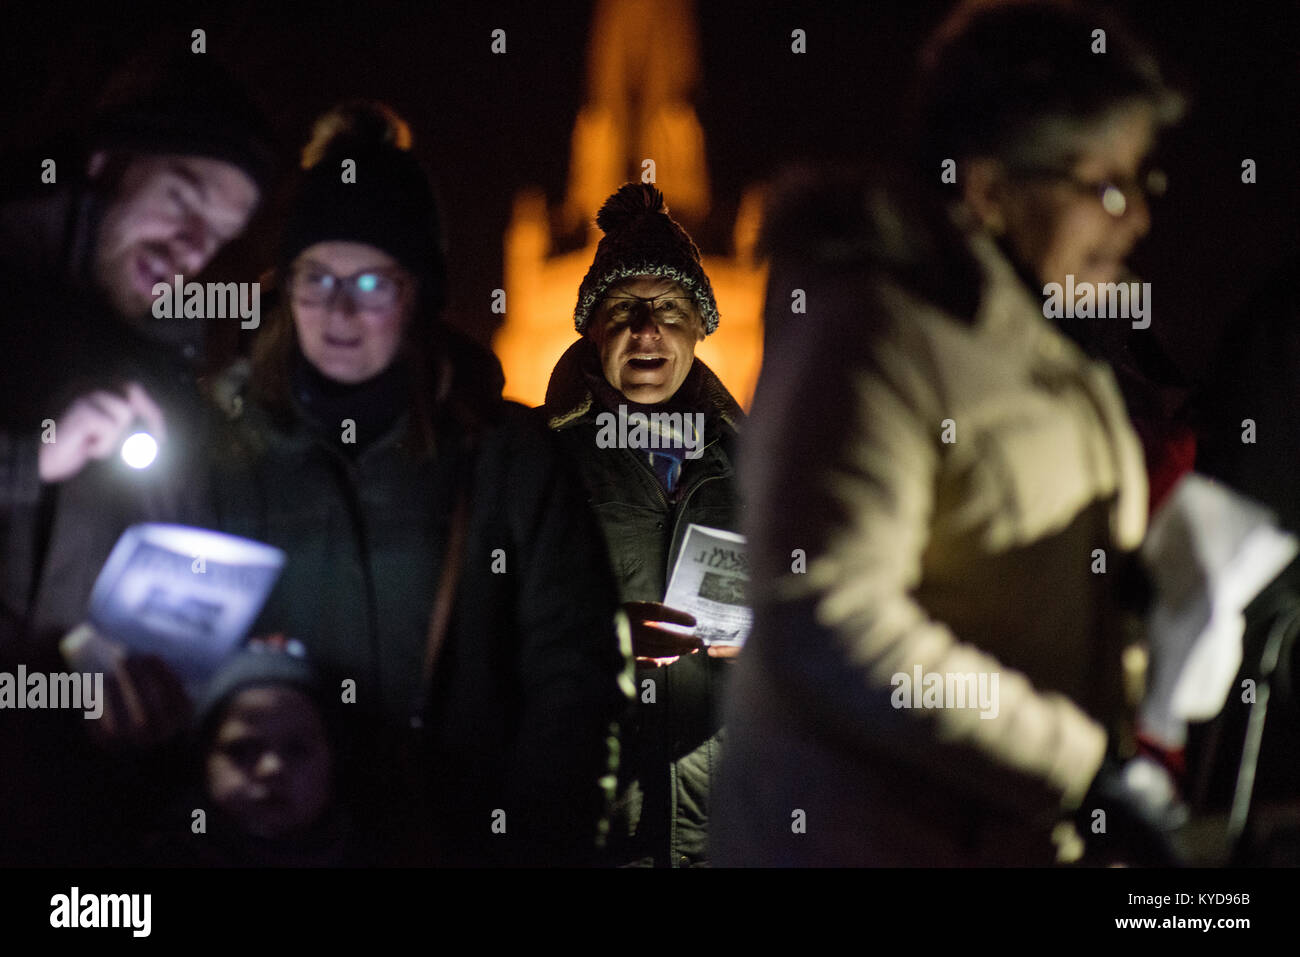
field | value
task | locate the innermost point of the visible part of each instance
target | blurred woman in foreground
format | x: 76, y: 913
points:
x: 944, y: 682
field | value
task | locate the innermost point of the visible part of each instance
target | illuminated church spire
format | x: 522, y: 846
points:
x: 638, y: 124
x: 642, y: 69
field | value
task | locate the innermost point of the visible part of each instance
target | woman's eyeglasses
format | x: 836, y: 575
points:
x: 1113, y: 194
x: 371, y: 291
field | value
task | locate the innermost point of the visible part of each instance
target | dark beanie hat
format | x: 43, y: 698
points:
x: 390, y: 205
x: 190, y: 106
x: 262, y: 661
x: 642, y: 239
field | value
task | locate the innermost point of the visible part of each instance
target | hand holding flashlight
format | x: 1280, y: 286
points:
x: 101, y: 424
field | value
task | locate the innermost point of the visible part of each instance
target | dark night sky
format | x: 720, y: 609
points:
x: 488, y: 125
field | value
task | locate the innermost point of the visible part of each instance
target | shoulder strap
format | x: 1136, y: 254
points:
x: 445, y: 597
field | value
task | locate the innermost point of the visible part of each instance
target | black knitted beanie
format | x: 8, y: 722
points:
x: 273, y: 660
x: 388, y: 204
x: 188, y: 105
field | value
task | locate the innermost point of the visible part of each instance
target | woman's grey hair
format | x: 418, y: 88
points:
x: 1019, y: 81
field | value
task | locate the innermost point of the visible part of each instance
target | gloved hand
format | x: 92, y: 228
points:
x: 1132, y: 815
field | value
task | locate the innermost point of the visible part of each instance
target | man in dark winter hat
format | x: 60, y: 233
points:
x: 644, y: 305
x: 170, y: 171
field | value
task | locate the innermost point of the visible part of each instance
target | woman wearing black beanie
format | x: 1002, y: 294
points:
x: 423, y: 517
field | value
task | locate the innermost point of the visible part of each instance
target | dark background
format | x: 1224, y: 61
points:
x: 491, y: 124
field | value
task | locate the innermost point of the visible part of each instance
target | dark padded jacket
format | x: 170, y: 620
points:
x: 529, y: 684
x: 670, y: 747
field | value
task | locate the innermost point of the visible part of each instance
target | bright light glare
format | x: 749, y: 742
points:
x: 1114, y: 201
x: 139, y: 450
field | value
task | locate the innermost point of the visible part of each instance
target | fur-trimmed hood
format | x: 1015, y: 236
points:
x: 878, y: 218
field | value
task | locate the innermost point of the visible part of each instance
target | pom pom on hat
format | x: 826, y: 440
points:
x: 625, y: 205
x: 355, y: 125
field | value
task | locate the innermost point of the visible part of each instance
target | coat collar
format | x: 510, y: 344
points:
x: 1009, y: 310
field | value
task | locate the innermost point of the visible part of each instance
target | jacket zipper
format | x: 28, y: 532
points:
x: 678, y: 511
x: 346, y: 473
x: 674, y: 848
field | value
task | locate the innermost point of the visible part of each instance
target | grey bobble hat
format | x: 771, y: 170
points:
x: 274, y: 660
x: 642, y: 239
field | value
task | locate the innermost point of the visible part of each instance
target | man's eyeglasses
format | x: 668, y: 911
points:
x: 671, y: 309
x: 1113, y: 194
x: 373, y: 290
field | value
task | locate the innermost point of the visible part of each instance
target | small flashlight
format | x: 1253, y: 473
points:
x: 139, y: 450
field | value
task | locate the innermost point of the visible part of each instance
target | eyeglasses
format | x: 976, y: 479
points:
x: 1113, y: 194
x: 670, y: 309
x: 372, y: 290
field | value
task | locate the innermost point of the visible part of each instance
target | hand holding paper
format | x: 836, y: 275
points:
x: 145, y: 703
x: 653, y: 643
x: 710, y: 581
x: 185, y: 595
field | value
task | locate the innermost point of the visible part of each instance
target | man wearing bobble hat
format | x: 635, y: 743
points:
x: 643, y: 306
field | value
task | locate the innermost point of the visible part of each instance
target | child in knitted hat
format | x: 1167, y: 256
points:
x: 267, y: 758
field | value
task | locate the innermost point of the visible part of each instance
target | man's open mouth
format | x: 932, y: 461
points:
x: 647, y: 362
